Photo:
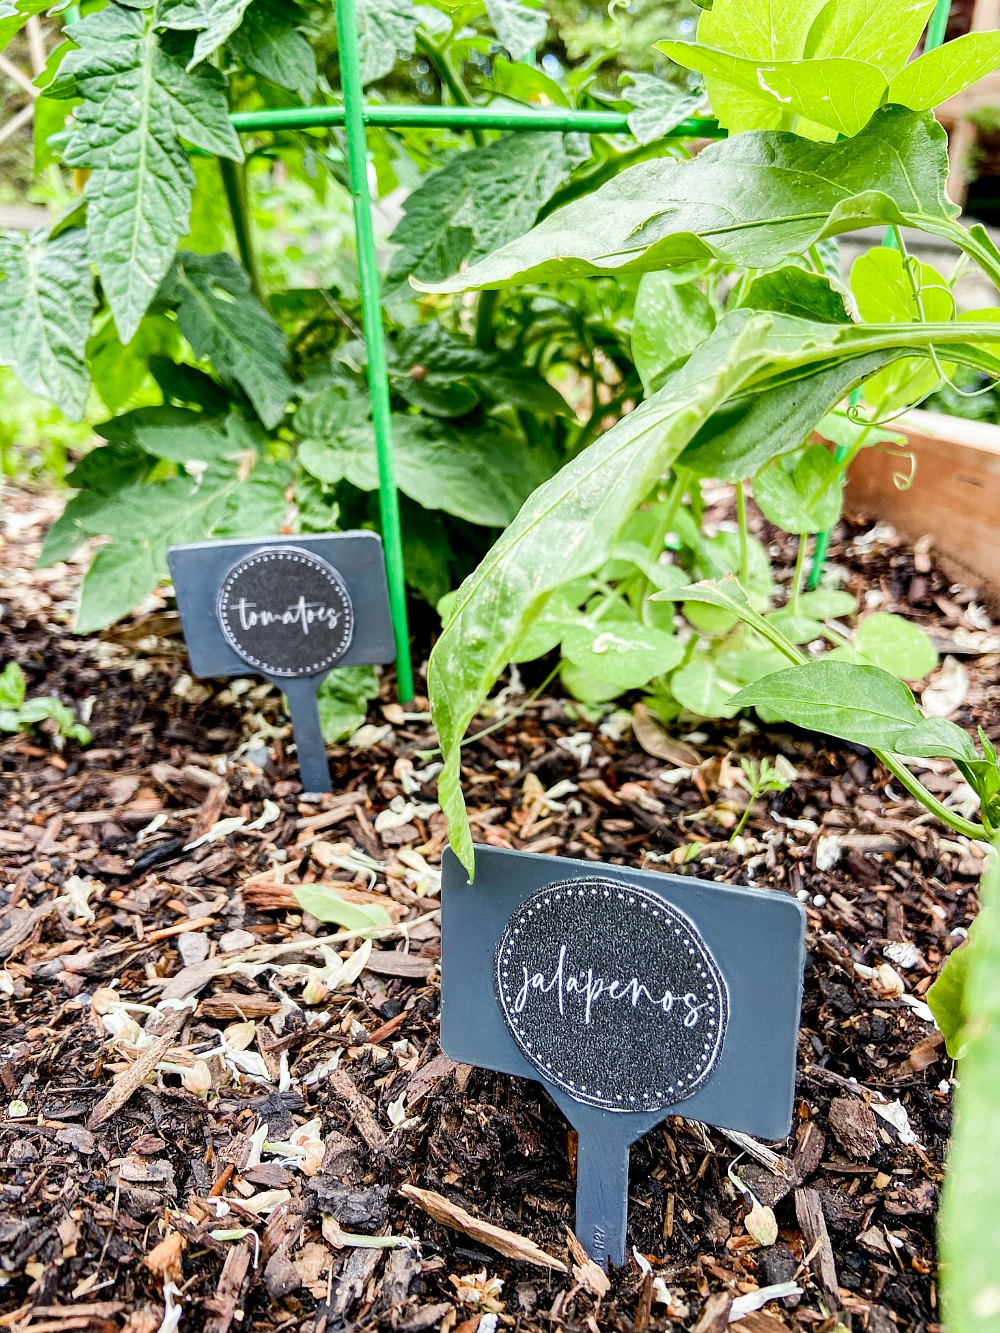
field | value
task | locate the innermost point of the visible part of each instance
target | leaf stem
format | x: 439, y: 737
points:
x: 800, y: 561
x: 741, y: 516
x: 234, y: 182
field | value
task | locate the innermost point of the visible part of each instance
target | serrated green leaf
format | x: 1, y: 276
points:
x: 947, y: 70
x: 482, y: 474
x: 326, y: 904
x: 46, y: 303
x: 224, y: 322
x: 749, y: 200
x: 520, y: 25
x: 121, y: 574
x: 801, y: 493
x: 138, y: 103
x: 861, y: 704
x: 269, y: 43
x: 670, y: 321
x: 896, y: 645
x: 212, y: 20
x: 658, y: 106
x: 565, y: 530
x: 175, y: 434
x: 387, y: 32
x: 480, y: 200
x: 120, y: 372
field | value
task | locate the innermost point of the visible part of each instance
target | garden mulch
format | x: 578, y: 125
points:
x: 164, y: 999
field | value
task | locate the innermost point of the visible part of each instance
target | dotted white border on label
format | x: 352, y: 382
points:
x: 595, y: 887
x: 297, y: 555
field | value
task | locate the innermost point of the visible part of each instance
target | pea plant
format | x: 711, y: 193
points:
x: 740, y: 373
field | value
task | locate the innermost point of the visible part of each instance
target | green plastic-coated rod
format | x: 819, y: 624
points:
x: 371, y: 309
x: 937, y: 26
x: 462, y: 117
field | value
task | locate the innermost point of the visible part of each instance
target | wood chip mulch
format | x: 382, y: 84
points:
x: 202, y: 1107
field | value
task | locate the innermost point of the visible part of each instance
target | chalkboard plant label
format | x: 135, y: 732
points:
x: 630, y: 995
x: 286, y: 611
x: 291, y: 609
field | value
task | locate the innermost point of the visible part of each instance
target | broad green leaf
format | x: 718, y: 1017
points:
x: 801, y: 493
x: 212, y: 20
x: 791, y: 290
x: 670, y: 321
x: 701, y: 688
x: 13, y: 686
x: 626, y: 654
x: 877, y: 34
x: 810, y: 368
x: 431, y: 367
x: 895, y: 645
x: 946, y: 997
x: 343, y: 700
x: 480, y: 200
x: 657, y: 106
x: 836, y: 94
x: 546, y: 631
x: 46, y: 303
x: 729, y: 594
x: 949, y: 69
x: 780, y: 33
x: 937, y: 738
x: 224, y: 322
x: 269, y: 43
x: 971, y: 1199
x: 175, y: 434
x: 565, y: 530
x: 881, y: 32
x: 257, y: 506
x: 861, y: 704
x: 482, y: 474
x: 387, y: 32
x: 588, y: 689
x: 14, y: 14
x: 526, y: 83
x: 520, y: 25
x: 120, y: 372
x: 884, y: 294
x: 138, y: 103
x: 426, y: 551
x: 326, y: 904
x: 143, y: 520
x: 121, y: 574
x: 828, y: 603
x: 796, y: 627
x: 749, y: 200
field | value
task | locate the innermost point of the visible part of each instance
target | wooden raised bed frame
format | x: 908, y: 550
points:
x: 954, y: 498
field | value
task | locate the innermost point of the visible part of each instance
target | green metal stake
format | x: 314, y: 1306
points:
x: 371, y: 307
x: 936, y: 28
x: 463, y: 118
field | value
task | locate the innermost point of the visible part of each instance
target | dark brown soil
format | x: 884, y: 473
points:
x: 117, y: 1205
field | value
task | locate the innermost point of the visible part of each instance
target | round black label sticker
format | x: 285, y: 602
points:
x: 286, y: 611
x: 612, y: 994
